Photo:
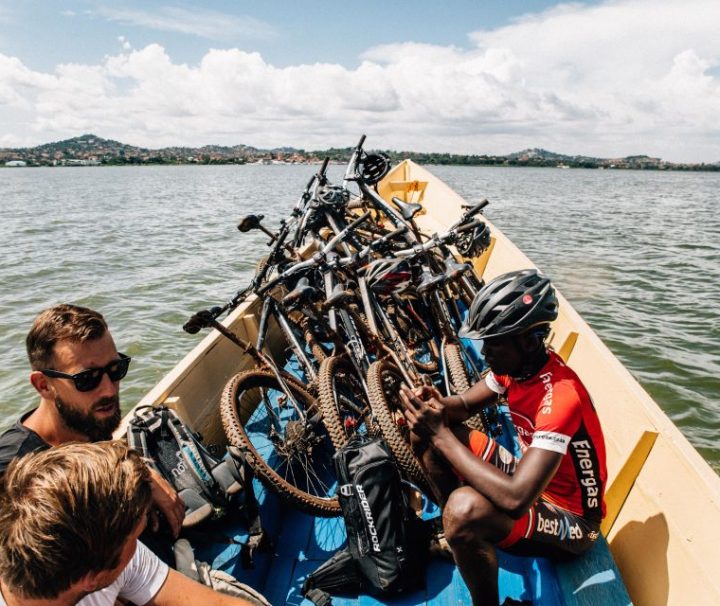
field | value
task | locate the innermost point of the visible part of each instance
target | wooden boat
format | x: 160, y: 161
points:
x: 663, y: 522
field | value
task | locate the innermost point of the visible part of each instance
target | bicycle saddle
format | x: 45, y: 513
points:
x: 250, y: 222
x: 302, y: 293
x: 429, y: 281
x: 340, y: 296
x: 453, y: 269
x: 407, y: 209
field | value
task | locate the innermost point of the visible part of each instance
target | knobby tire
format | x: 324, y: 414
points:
x: 460, y: 380
x: 386, y: 409
x: 335, y: 381
x: 234, y: 422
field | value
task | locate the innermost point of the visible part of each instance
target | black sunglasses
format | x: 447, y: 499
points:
x: 89, y: 379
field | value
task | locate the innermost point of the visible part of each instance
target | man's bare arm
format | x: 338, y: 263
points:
x: 166, y: 499
x: 513, y: 494
x: 179, y: 590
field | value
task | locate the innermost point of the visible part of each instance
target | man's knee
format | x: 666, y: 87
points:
x: 468, y: 516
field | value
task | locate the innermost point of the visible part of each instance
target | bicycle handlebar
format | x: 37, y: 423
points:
x: 473, y: 210
x: 438, y: 239
x: 352, y: 163
x: 203, y: 319
x: 321, y: 174
x: 374, y: 245
x: 319, y: 257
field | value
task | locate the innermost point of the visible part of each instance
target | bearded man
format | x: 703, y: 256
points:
x: 76, y: 369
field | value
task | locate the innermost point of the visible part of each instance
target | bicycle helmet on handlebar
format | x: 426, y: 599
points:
x: 511, y: 304
x: 332, y: 195
x: 373, y: 167
x: 474, y: 242
x: 387, y: 276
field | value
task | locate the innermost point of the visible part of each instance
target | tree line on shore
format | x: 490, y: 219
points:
x: 94, y: 151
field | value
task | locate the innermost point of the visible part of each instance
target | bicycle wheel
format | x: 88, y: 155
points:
x: 455, y: 365
x: 384, y: 381
x: 312, y: 342
x: 460, y: 381
x: 417, y: 338
x: 342, y: 400
x: 288, y: 449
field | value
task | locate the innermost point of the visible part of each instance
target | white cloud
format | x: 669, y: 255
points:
x: 203, y: 23
x: 623, y: 77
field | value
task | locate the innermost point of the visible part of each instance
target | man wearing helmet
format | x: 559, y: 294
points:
x: 550, y: 501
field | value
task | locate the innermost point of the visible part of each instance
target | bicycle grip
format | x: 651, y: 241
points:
x: 476, y: 208
x: 193, y: 325
x: 469, y: 226
x: 201, y: 319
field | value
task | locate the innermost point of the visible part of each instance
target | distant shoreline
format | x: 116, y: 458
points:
x: 91, y: 150
x: 682, y: 168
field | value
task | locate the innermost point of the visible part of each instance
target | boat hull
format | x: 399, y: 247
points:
x: 663, y: 526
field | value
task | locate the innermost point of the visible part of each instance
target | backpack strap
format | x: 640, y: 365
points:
x: 319, y: 597
x: 339, y: 574
x: 257, y: 537
x: 189, y: 450
x: 228, y: 480
x: 137, y: 438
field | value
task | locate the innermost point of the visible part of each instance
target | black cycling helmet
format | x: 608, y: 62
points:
x: 389, y: 275
x: 511, y: 304
x: 472, y: 243
x: 332, y: 195
x: 373, y: 167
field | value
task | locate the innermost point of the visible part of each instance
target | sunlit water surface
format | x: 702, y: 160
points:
x: 635, y: 252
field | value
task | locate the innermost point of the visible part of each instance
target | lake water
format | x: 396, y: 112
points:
x: 635, y: 252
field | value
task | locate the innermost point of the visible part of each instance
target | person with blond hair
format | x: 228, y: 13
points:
x: 70, y: 518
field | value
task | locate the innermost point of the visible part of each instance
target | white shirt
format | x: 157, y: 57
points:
x: 139, y: 582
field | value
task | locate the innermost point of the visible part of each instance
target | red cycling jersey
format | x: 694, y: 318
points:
x: 553, y: 410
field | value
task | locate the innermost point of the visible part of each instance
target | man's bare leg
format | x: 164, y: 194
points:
x: 472, y: 528
x: 436, y: 467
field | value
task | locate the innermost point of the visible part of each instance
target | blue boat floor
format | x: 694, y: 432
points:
x: 300, y: 543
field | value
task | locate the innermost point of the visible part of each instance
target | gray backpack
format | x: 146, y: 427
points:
x: 209, y: 486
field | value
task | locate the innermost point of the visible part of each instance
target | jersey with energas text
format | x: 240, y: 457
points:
x: 553, y: 410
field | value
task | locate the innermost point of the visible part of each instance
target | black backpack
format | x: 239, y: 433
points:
x: 387, y: 548
x: 209, y: 486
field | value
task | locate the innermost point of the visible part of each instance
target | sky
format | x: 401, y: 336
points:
x: 599, y: 78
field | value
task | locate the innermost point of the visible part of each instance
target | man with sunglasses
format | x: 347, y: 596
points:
x: 76, y: 369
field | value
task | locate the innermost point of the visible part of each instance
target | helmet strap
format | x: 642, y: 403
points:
x: 535, y: 355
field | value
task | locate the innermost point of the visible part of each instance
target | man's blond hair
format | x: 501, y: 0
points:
x: 66, y: 512
x: 64, y: 322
